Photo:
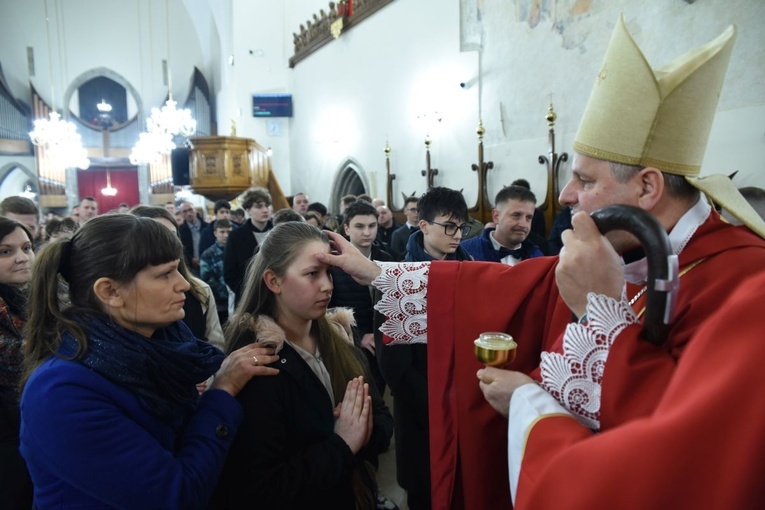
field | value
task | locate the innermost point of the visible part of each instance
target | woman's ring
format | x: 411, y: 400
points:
x: 255, y: 360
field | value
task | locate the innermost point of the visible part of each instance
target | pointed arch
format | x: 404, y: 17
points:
x: 14, y: 177
x: 351, y: 179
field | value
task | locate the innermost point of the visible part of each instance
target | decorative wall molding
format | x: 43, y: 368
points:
x: 318, y: 31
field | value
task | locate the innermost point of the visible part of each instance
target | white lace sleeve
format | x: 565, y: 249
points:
x: 404, y: 287
x: 574, y: 377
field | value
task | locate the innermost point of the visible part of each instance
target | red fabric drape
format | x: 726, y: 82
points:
x: 468, y: 439
x: 90, y: 183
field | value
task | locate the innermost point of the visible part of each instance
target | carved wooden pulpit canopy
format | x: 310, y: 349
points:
x: 222, y: 167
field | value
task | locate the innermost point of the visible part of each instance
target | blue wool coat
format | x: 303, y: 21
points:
x: 89, y: 443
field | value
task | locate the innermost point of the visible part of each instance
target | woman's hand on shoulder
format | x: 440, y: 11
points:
x: 241, y: 365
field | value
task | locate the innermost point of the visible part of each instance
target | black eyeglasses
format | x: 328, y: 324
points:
x: 451, y: 229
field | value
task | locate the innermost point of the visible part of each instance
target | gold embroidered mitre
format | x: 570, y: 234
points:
x: 661, y: 117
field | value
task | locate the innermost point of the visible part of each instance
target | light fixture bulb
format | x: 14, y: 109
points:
x: 108, y: 191
x: 104, y: 107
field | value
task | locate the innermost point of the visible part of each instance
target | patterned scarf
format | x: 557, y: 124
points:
x: 163, y: 370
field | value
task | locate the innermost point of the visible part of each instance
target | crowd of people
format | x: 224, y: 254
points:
x: 162, y: 334
x: 155, y: 357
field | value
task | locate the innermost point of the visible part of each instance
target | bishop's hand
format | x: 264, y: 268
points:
x: 349, y: 259
x: 588, y: 263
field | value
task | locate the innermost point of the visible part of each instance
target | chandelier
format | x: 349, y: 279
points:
x: 108, y: 191
x: 165, y: 123
x: 61, y: 141
x: 104, y: 107
x: 169, y: 120
x: 150, y: 148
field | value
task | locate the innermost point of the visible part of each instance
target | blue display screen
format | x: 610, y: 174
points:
x: 272, y: 105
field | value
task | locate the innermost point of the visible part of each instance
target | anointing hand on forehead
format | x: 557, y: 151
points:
x: 588, y: 263
x: 350, y: 260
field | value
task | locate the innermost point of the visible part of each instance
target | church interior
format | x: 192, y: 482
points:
x: 386, y: 98
x: 396, y: 97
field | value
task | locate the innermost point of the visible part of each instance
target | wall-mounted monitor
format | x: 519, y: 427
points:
x: 272, y: 105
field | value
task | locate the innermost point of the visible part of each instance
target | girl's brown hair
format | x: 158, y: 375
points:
x: 282, y: 246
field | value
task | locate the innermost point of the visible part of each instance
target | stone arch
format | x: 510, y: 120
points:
x: 19, y: 174
x: 112, y: 75
x: 350, y: 180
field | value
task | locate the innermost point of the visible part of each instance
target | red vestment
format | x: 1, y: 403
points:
x: 702, y: 445
x: 468, y: 439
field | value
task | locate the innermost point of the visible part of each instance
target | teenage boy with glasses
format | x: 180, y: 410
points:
x: 443, y: 223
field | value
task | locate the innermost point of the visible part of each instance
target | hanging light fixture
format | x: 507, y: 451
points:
x: 108, y: 191
x: 104, y: 107
x: 150, y: 148
x: 170, y: 120
x: 60, y: 139
x: 165, y: 123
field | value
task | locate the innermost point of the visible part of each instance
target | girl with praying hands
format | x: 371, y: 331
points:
x: 110, y: 413
x: 311, y: 434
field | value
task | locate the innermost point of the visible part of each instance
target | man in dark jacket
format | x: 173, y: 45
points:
x: 401, y: 235
x: 243, y: 242
x: 222, y: 211
x: 508, y: 242
x: 386, y: 225
x: 191, y: 232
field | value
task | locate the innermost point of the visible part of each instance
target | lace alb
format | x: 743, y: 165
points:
x: 574, y: 376
x: 404, y: 287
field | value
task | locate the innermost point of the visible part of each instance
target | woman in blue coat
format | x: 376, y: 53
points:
x: 110, y: 413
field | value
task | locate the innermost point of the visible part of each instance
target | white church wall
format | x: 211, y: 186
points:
x: 260, y: 67
x: 559, y: 48
x: 369, y: 86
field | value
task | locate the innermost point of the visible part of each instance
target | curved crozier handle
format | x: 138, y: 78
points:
x: 663, y: 280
